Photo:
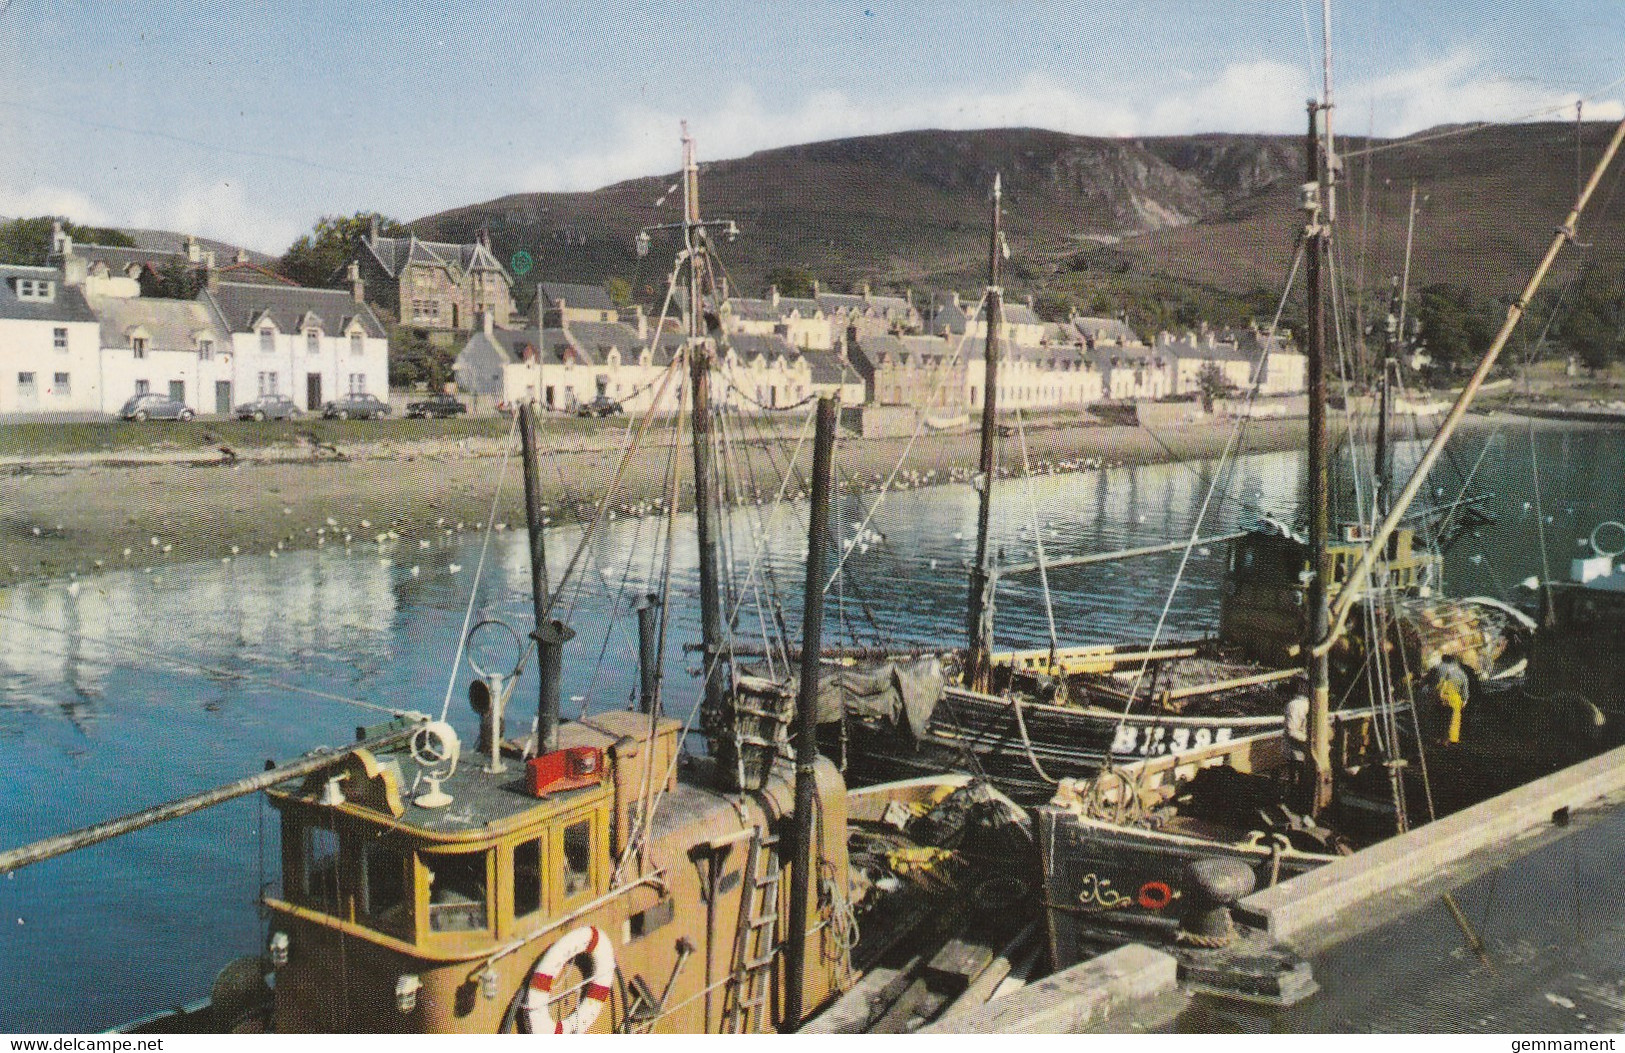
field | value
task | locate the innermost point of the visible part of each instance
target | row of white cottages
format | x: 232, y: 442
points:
x: 87, y: 347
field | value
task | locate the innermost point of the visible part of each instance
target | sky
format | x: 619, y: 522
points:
x: 246, y: 120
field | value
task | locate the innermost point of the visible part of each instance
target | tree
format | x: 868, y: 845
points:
x: 414, y: 359
x: 318, y: 257
x: 28, y: 241
x: 179, y: 280
x: 792, y: 281
x: 620, y: 291
x: 1213, y: 384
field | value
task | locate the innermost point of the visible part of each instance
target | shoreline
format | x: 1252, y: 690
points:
x: 75, y: 515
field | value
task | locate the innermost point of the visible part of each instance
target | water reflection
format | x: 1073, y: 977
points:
x: 138, y: 688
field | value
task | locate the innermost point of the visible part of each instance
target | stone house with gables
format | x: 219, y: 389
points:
x: 435, y: 286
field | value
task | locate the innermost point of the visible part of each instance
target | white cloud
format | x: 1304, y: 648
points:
x: 52, y: 201
x: 218, y: 209
x: 1255, y: 96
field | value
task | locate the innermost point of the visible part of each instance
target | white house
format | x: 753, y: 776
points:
x: 309, y: 344
x: 178, y: 347
x: 48, y: 344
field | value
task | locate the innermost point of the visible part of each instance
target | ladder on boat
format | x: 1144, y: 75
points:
x: 745, y: 1009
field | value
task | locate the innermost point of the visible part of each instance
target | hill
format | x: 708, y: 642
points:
x: 1085, y: 216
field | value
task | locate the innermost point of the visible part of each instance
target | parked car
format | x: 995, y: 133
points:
x: 601, y: 406
x: 152, y: 405
x: 357, y: 404
x: 268, y: 407
x: 439, y: 406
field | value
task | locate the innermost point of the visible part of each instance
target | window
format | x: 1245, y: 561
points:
x: 59, y: 338
x: 383, y: 883
x: 62, y: 384
x: 142, y: 387
x: 313, y: 341
x: 456, y: 892
x: 358, y: 383
x: 25, y: 385
x: 35, y: 289
x: 577, y: 858
x: 205, y: 348
x: 426, y: 310
x: 357, y: 345
x: 268, y: 384
x: 138, y: 344
x: 319, y: 868
x: 267, y: 340
x: 527, y: 878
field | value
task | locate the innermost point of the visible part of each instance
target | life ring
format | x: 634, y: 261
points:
x: 1155, y: 895
x: 588, y: 940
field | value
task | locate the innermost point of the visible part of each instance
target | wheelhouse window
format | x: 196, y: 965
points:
x: 457, y: 892
x: 384, y: 885
x: 577, y: 859
x: 319, y: 868
x: 527, y: 878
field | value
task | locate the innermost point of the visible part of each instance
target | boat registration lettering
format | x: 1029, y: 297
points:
x: 1159, y: 740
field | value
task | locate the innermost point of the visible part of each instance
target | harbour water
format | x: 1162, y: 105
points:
x: 141, y: 685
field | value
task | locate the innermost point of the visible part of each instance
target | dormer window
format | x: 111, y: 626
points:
x: 356, y: 344
x: 267, y: 340
x: 138, y: 345
x: 38, y: 290
x: 313, y: 341
x: 205, y: 348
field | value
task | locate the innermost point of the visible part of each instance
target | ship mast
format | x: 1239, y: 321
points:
x: 696, y: 246
x: 980, y: 633
x: 1319, y: 212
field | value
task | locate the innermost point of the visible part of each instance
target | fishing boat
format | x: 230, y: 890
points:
x: 1027, y: 719
x: 591, y: 876
x: 1164, y: 847
x: 1581, y: 621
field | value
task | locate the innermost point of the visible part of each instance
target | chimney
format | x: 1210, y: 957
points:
x: 211, y: 273
x: 194, y: 253
x: 488, y: 322
x: 773, y: 294
x: 866, y: 290
x: 358, y: 288
x: 815, y: 288
x: 1029, y: 301
x: 372, y: 230
x: 61, y: 240
x: 241, y: 257
x: 642, y: 321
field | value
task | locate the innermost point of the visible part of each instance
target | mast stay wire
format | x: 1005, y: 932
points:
x: 1207, y: 499
x: 1038, y: 542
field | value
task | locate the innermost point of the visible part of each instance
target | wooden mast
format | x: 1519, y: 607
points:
x: 980, y: 615
x: 806, y: 729
x: 1316, y: 232
x: 696, y: 246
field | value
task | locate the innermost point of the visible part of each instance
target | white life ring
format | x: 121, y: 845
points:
x: 588, y: 940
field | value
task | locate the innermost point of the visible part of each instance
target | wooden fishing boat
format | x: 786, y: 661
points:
x: 1165, y: 846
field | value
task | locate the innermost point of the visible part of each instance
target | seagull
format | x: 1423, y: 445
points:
x: 454, y: 567
x: 414, y: 572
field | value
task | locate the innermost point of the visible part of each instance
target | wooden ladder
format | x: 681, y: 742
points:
x: 745, y: 1010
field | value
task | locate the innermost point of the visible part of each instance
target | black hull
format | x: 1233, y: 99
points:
x: 1106, y: 885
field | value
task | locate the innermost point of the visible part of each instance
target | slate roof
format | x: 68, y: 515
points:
x: 1021, y: 314
x: 828, y: 368
x: 118, y: 258
x: 242, y: 305
x: 69, y: 304
x: 1218, y: 351
x: 752, y: 310
x: 170, y: 325
x: 1112, y: 330
x: 771, y: 346
x: 395, y: 253
x: 945, y: 312
x: 251, y: 273
x: 586, y: 297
